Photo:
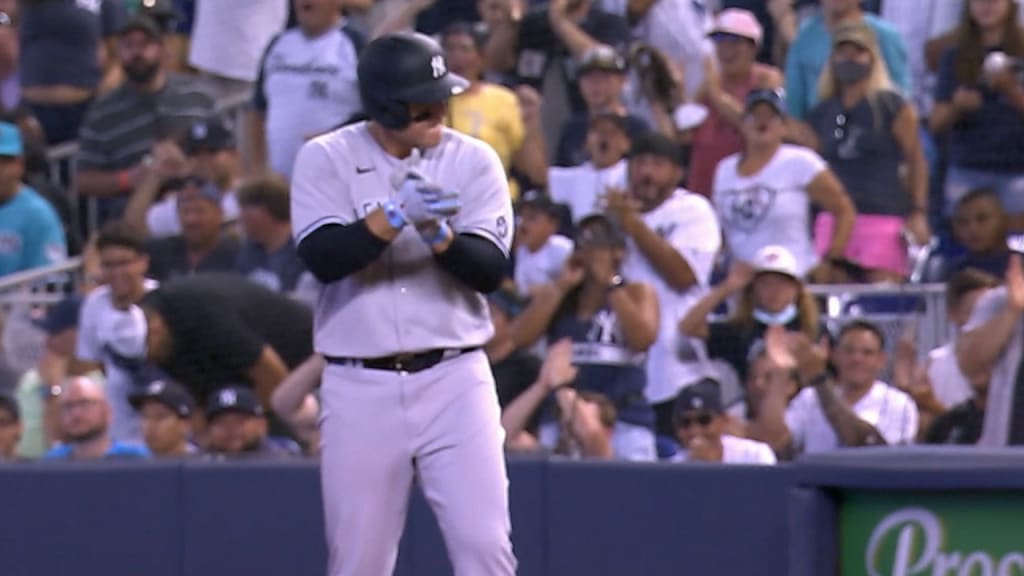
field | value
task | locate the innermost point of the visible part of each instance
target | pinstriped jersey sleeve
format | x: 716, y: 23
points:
x: 319, y: 195
x: 486, y: 201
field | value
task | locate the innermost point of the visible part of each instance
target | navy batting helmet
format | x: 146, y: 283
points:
x: 404, y: 68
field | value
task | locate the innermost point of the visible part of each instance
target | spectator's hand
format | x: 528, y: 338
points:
x: 603, y: 266
x: 780, y: 9
x: 558, y: 370
x: 622, y: 208
x: 529, y: 104
x: 169, y: 161
x: 1015, y: 283
x: 777, y: 349
x: 586, y: 420
x: 741, y: 274
x: 789, y: 350
x: 917, y: 225
x: 966, y: 99
x: 904, y: 360
x: 557, y: 9
x: 497, y: 13
x: 712, y: 79
x: 572, y: 274
x: 701, y: 450
x: 1004, y: 81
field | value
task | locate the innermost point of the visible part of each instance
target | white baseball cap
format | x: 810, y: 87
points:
x: 738, y: 22
x: 777, y: 259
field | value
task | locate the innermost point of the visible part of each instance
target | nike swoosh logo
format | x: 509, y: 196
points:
x: 365, y: 170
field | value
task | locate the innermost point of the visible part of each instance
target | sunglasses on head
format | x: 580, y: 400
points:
x: 703, y: 419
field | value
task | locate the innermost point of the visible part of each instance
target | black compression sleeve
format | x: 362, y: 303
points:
x: 333, y: 251
x: 475, y: 261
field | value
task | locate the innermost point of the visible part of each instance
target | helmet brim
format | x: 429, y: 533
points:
x: 438, y: 90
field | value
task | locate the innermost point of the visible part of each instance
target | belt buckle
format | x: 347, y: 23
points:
x: 403, y: 360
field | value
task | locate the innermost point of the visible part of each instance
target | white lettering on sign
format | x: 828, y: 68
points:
x: 920, y: 535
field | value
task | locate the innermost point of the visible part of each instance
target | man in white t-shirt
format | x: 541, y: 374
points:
x: 853, y: 409
x: 541, y: 252
x: 700, y: 430
x: 307, y: 86
x: 111, y: 329
x: 228, y: 38
x: 673, y: 239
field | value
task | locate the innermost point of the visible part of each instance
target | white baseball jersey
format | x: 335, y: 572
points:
x: 688, y: 223
x: 98, y: 325
x: 535, y: 269
x: 581, y: 187
x: 770, y: 207
x: 402, y: 302
x: 736, y: 450
x: 891, y: 411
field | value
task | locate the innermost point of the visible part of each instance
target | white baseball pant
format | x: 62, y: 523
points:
x: 442, y: 426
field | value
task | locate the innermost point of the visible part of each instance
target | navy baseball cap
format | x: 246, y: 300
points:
x: 211, y: 134
x: 11, y: 404
x: 703, y: 395
x: 774, y: 97
x: 599, y: 230
x: 166, y: 392
x: 61, y: 316
x: 657, y: 144
x: 539, y: 201
x: 142, y: 23
x: 602, y: 57
x: 238, y: 399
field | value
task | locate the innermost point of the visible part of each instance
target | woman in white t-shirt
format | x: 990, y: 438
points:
x: 763, y: 194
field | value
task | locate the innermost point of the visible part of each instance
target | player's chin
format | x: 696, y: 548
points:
x: 431, y: 135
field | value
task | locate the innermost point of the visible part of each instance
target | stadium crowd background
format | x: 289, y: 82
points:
x: 832, y: 142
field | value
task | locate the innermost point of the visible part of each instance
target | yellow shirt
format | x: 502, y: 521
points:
x: 491, y: 113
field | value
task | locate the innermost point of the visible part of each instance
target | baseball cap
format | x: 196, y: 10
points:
x: 210, y: 134
x: 738, y: 22
x: 11, y: 404
x: 602, y: 57
x: 857, y: 33
x: 539, y: 201
x: 142, y: 23
x: 200, y: 188
x: 61, y: 316
x: 703, y: 395
x: 657, y: 144
x: 166, y: 392
x: 599, y: 230
x: 777, y: 259
x: 776, y: 98
x: 237, y: 399
x: 10, y: 140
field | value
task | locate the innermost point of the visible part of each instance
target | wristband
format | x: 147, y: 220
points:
x: 124, y: 180
x: 395, y: 217
x: 440, y: 236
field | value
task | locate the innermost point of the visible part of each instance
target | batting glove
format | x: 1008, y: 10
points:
x: 423, y: 203
x: 438, y: 236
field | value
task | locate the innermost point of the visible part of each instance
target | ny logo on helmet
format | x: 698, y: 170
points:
x: 437, y: 66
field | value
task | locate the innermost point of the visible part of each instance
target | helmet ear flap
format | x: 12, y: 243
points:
x: 390, y: 114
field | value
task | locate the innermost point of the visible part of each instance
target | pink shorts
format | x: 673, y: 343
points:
x: 876, y: 242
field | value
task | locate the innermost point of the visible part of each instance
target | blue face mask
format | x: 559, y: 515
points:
x: 780, y: 318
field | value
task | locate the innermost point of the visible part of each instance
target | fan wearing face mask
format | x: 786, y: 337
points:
x: 868, y: 133
x: 768, y: 292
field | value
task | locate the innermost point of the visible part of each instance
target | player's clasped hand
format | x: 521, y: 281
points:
x: 424, y: 203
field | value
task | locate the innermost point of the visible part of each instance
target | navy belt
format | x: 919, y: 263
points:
x: 410, y: 362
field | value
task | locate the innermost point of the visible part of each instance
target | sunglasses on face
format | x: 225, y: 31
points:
x: 703, y: 419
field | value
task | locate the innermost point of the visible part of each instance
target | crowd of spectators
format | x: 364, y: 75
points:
x: 682, y: 172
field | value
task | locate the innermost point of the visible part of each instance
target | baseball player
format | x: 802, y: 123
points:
x: 407, y: 225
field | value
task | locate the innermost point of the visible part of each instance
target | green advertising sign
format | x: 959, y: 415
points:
x: 931, y: 534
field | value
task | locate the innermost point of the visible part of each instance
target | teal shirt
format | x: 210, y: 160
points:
x: 810, y: 52
x: 31, y: 234
x: 117, y: 451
